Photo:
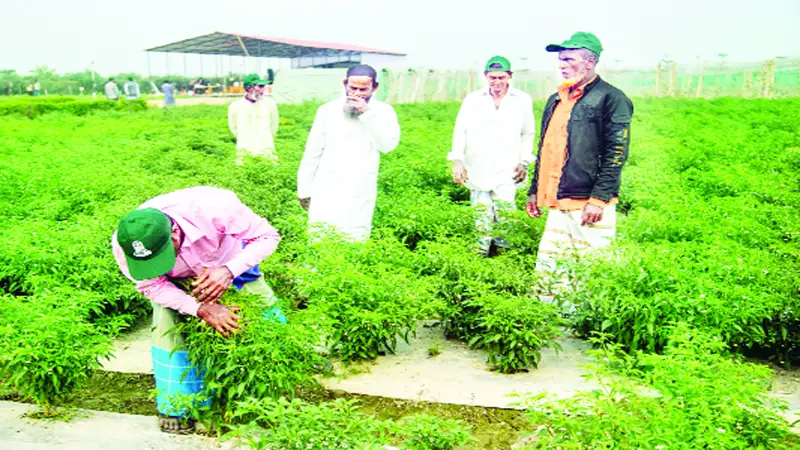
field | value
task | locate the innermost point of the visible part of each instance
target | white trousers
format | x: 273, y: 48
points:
x: 564, y: 238
x: 488, y: 204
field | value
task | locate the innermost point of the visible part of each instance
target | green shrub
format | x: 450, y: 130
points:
x: 735, y: 292
x: 295, y: 424
x: 284, y: 424
x: 264, y: 359
x: 514, y: 330
x: 426, y: 432
x: 365, y: 304
x: 35, y: 107
x: 48, y: 348
x: 695, y: 395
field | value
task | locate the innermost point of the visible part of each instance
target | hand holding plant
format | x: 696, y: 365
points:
x: 220, y: 317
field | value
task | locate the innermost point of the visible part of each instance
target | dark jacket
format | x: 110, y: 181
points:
x: 597, y: 144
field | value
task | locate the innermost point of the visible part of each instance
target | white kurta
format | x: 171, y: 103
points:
x: 493, y: 141
x: 254, y: 125
x: 339, y: 169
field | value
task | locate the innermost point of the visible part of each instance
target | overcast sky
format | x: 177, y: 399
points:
x: 68, y: 35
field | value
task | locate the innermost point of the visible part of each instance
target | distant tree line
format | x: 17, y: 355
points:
x: 52, y: 83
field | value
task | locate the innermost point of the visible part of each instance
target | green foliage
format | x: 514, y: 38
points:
x: 707, y: 235
x: 710, y: 232
x: 47, y: 348
x: 513, y: 330
x: 34, y: 107
x: 695, y: 395
x: 426, y: 432
x: 264, y: 359
x: 365, y: 300
x: 298, y: 425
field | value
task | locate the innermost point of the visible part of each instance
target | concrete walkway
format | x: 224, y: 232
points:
x: 93, y: 430
x: 458, y: 375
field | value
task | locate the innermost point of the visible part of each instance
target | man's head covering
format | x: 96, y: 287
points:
x: 580, y: 39
x: 498, y: 64
x: 362, y: 70
x: 145, y: 236
x: 252, y: 80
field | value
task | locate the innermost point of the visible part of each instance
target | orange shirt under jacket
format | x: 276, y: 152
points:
x: 554, y: 155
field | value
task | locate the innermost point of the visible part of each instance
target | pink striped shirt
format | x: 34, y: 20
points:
x: 215, y: 223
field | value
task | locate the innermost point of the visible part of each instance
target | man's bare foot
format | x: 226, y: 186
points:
x: 176, y: 425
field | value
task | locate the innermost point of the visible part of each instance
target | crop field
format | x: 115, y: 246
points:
x: 699, y: 298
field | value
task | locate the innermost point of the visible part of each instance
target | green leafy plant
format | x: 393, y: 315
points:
x: 514, y: 330
x: 285, y: 424
x: 47, y: 349
x: 264, y: 359
x: 295, y: 424
x: 695, y: 395
x: 426, y: 432
x: 365, y: 304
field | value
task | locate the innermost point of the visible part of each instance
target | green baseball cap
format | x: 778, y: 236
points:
x: 580, y: 39
x: 145, y: 236
x: 253, y: 79
x: 500, y: 64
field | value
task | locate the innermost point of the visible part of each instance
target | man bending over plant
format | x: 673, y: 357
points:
x: 583, y: 146
x: 202, y: 232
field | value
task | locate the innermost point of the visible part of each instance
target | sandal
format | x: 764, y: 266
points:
x: 176, y: 425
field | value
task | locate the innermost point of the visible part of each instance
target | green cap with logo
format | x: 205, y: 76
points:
x: 498, y: 64
x: 580, y: 39
x: 145, y: 236
x: 252, y: 80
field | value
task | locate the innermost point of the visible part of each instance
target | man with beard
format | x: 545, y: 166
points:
x: 583, y: 146
x: 338, y: 177
x: 253, y: 119
x: 493, y: 145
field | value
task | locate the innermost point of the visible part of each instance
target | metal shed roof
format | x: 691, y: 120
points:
x: 237, y: 44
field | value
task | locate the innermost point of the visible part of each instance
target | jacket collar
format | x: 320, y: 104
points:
x: 586, y: 88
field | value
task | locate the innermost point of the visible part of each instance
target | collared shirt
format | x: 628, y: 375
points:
x: 215, y: 224
x: 554, y: 154
x: 493, y: 141
x: 131, y: 89
x: 112, y: 91
x: 254, y: 123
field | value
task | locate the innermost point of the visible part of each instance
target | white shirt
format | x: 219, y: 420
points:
x: 254, y: 124
x: 339, y: 169
x: 492, y: 141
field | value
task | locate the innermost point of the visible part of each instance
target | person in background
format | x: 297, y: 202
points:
x: 169, y: 93
x: 131, y: 88
x: 202, y: 232
x: 270, y: 82
x: 112, y: 91
x: 493, y: 145
x: 583, y: 147
x: 37, y: 88
x: 337, y: 181
x: 253, y: 120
